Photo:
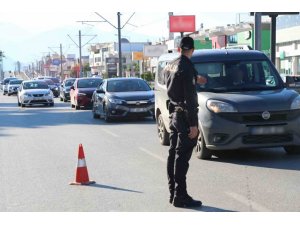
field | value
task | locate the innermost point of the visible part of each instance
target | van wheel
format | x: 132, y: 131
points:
x: 295, y: 149
x: 163, y: 134
x: 201, y: 151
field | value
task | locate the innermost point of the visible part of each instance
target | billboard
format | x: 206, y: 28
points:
x: 155, y: 50
x: 137, y: 56
x: 182, y: 23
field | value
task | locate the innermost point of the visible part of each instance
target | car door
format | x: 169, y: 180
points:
x: 99, y: 97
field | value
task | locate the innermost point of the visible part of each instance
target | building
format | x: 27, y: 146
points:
x: 104, y: 57
x: 288, y: 44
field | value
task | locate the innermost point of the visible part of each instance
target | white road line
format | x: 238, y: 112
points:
x: 153, y: 155
x: 109, y: 132
x: 244, y: 200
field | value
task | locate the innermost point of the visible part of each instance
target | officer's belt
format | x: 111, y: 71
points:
x: 178, y: 109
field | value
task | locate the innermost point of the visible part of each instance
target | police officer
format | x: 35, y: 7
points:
x: 181, y: 78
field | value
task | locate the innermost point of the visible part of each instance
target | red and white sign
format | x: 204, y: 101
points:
x: 182, y: 24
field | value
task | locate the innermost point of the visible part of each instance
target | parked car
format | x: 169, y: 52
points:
x: 53, y: 87
x: 5, y: 84
x: 13, y: 86
x: 123, y: 97
x: 35, y: 92
x: 258, y: 112
x: 81, y: 91
x: 65, y: 89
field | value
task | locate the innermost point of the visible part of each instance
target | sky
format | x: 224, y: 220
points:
x: 31, y: 29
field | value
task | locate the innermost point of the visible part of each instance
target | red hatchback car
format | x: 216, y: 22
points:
x: 82, y: 91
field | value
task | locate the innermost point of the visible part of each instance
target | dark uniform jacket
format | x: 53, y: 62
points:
x: 180, y: 77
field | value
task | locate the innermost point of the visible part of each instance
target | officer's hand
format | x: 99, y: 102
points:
x: 193, y: 132
x: 201, y: 79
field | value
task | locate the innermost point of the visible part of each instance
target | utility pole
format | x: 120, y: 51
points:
x: 120, y: 46
x: 79, y: 45
x: 119, y: 28
x: 80, y: 61
x: 257, y: 31
x: 1, y: 65
x: 61, y: 62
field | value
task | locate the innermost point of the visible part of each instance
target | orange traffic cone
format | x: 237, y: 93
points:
x: 82, y: 176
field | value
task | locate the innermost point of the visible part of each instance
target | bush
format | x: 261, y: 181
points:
x: 148, y: 76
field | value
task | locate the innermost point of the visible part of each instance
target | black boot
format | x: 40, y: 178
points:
x: 171, y: 198
x: 186, y: 201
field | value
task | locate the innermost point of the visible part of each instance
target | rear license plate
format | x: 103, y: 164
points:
x: 266, y: 130
x: 138, y: 110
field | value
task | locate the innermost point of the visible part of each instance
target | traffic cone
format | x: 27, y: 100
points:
x: 82, y: 176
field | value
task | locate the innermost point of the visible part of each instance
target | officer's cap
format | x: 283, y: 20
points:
x: 187, y: 43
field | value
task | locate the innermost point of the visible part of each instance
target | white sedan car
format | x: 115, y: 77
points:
x: 34, y: 92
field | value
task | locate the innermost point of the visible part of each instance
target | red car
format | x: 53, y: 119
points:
x: 82, y: 91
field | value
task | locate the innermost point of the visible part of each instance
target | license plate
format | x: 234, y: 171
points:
x: 267, y: 130
x: 138, y: 110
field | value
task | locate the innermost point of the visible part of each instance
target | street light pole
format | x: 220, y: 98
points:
x: 120, y: 46
x: 61, y: 63
x: 80, y: 62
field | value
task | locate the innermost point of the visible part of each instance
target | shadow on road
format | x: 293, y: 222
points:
x: 275, y: 158
x: 113, y: 188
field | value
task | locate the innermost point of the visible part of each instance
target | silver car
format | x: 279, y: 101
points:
x: 244, y: 103
x: 13, y: 86
x: 34, y: 92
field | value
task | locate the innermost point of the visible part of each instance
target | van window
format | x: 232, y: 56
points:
x: 238, y: 76
x: 160, y: 72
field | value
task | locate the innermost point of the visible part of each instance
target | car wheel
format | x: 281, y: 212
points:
x: 3, y: 93
x: 106, y: 114
x: 163, y: 134
x: 22, y: 105
x: 8, y: 94
x: 52, y: 104
x: 202, y: 152
x: 95, y: 115
x: 295, y: 149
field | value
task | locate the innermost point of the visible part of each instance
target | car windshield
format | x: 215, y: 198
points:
x: 49, y: 82
x: 238, y: 76
x: 88, y: 83
x: 35, y: 85
x: 15, y: 81
x: 127, y: 85
x: 69, y: 83
x: 55, y: 80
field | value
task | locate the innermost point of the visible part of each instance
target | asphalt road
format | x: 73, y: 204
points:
x: 38, y: 157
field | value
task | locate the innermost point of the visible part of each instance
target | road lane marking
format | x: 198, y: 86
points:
x: 153, y: 155
x: 244, y: 200
x: 109, y: 132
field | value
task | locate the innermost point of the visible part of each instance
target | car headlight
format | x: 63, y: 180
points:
x: 48, y: 94
x: 296, y: 103
x: 56, y: 88
x: 115, y: 101
x: 81, y: 94
x: 27, y: 95
x: 220, y: 107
